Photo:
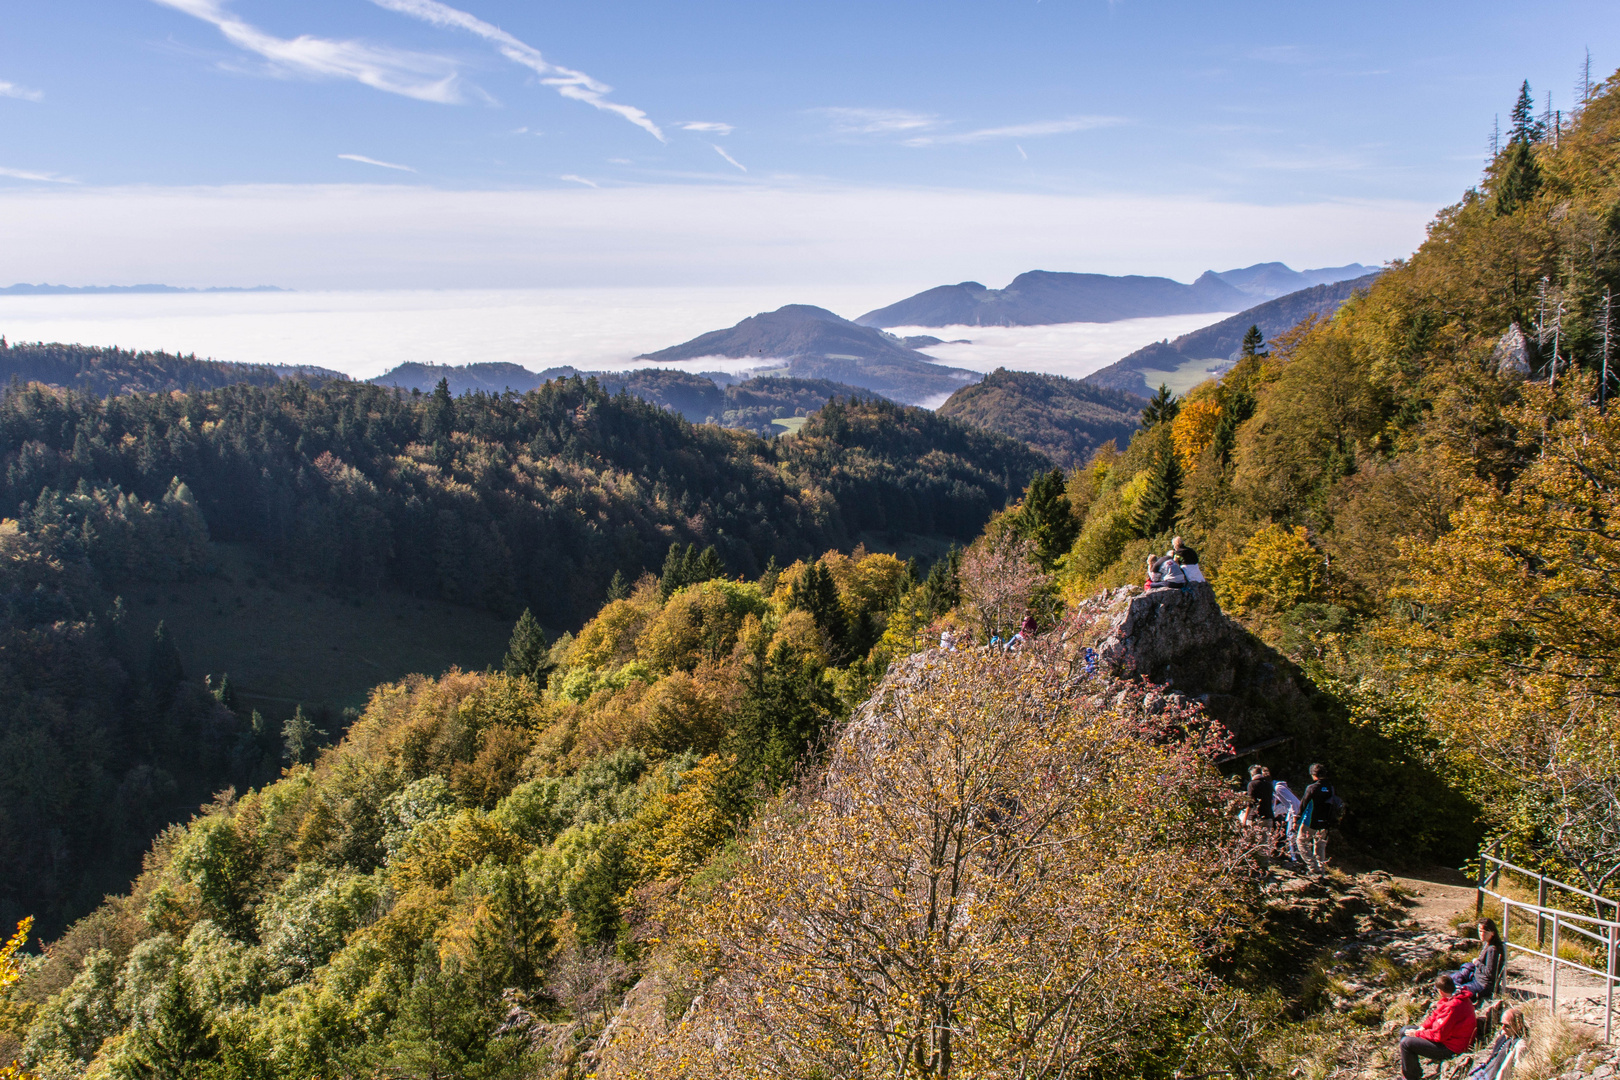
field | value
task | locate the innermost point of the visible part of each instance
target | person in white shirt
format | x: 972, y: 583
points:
x: 1285, y: 804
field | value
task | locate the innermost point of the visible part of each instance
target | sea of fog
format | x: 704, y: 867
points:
x: 366, y: 333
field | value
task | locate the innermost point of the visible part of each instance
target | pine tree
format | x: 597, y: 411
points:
x: 1254, y: 342
x: 618, y: 588
x: 772, y: 574
x: 708, y: 566
x: 164, y: 671
x: 674, y: 578
x: 1519, y: 180
x: 178, y: 1043
x: 1161, y: 408
x: 1157, y: 511
x: 528, y: 652
x: 439, y: 420
x: 942, y: 590
x: 1526, y: 128
x: 441, y: 1030
x: 1047, y: 519
x: 298, y: 737
x: 816, y: 593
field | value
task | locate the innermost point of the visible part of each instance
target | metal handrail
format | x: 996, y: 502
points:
x: 1605, y: 934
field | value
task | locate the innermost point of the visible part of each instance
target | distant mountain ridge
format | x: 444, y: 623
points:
x: 1042, y: 297
x: 1193, y: 357
x: 24, y: 289
x: 813, y: 343
x: 1268, y: 281
x: 110, y: 371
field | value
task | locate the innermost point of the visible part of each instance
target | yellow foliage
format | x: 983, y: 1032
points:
x: 989, y: 848
x: 610, y: 639
x: 798, y: 635
x: 1193, y: 429
x: 439, y: 850
x: 675, y: 831
x: 701, y: 622
x: 1277, y: 569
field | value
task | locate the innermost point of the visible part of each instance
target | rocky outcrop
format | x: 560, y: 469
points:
x: 1179, y: 637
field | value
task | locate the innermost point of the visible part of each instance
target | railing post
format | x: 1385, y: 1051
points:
x: 1608, y: 1005
x: 1479, y: 890
x: 1541, y: 905
x: 1552, y: 997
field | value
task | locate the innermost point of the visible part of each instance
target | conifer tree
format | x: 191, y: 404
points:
x: 618, y: 588
x: 528, y: 653
x: 298, y: 737
x: 1047, y: 518
x: 1161, y: 408
x: 164, y: 671
x: 440, y: 418
x: 1159, y: 507
x: 817, y: 594
x: 1520, y: 178
x: 1254, y: 342
x: 1526, y: 128
x: 178, y: 1044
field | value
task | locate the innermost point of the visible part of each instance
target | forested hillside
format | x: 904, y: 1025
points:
x: 104, y: 371
x: 1065, y: 419
x: 690, y: 840
x: 505, y: 503
x: 1416, y: 497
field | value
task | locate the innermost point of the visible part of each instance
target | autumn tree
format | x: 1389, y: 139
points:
x: 889, y: 917
x: 1002, y: 581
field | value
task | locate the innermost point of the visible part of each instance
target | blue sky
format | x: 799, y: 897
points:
x: 121, y: 121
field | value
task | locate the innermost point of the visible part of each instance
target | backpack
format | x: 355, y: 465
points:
x: 1329, y: 813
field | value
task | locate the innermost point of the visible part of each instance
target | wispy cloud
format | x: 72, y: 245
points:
x: 12, y: 90
x: 877, y: 121
x: 721, y: 151
x: 571, y: 178
x: 1017, y: 131
x: 1279, y: 54
x: 422, y: 76
x: 569, y: 83
x: 43, y: 177
x: 362, y: 159
x: 711, y: 127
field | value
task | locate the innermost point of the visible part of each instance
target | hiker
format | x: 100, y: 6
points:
x: 1026, y: 630
x: 1187, y: 559
x: 1285, y: 806
x: 1478, y: 975
x: 1164, y: 573
x: 947, y: 640
x: 1261, y: 788
x: 1316, y: 816
x: 1447, y: 1031
x: 1503, y: 1055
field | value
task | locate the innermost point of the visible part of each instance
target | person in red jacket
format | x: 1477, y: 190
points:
x: 1447, y: 1031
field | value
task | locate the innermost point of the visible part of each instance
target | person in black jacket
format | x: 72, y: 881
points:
x: 1261, y: 788
x: 1315, y: 817
x: 1478, y: 976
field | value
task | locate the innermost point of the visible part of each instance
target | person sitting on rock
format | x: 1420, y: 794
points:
x: 1478, y: 975
x: 1187, y: 558
x: 1447, y: 1031
x: 1026, y: 630
x: 1164, y: 573
x: 1503, y: 1055
x: 947, y: 640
